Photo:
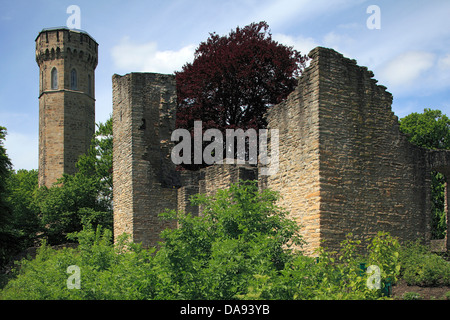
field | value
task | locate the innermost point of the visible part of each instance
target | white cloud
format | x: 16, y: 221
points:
x: 23, y: 150
x: 406, y: 68
x: 338, y: 41
x: 444, y: 62
x: 145, y: 57
x: 300, y: 43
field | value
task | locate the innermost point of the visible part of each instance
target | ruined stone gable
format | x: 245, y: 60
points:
x: 344, y: 165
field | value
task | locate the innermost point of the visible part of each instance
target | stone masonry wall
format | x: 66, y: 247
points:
x: 297, y: 179
x: 371, y: 178
x: 210, y: 179
x: 145, y: 180
x: 344, y: 166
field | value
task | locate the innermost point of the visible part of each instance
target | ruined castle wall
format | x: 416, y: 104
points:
x: 344, y: 166
x: 371, y: 178
x: 221, y: 176
x: 145, y: 179
x: 297, y: 178
x: 122, y: 156
x: 210, y: 179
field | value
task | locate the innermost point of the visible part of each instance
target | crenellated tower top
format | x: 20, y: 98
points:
x: 60, y: 43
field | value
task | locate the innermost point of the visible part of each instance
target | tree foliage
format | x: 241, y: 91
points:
x: 64, y: 208
x: 19, y: 223
x: 84, y: 197
x: 241, y: 233
x: 431, y: 130
x: 22, y: 186
x: 8, y: 235
x: 33, y: 213
x: 234, y: 79
x: 241, y: 247
x: 98, y: 163
x: 5, y: 171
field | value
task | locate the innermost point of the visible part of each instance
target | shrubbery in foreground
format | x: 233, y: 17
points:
x: 423, y: 268
x: 240, y: 248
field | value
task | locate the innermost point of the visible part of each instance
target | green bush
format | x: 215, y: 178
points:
x: 105, y: 274
x: 332, y: 275
x: 447, y: 295
x: 384, y: 251
x: 421, y: 267
x: 241, y: 233
x: 242, y: 247
x: 411, y: 296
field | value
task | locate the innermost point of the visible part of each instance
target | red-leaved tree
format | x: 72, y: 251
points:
x: 234, y: 79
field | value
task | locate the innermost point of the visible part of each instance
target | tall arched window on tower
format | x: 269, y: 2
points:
x: 73, y: 79
x: 54, y: 81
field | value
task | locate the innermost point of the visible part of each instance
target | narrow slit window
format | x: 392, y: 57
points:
x: 73, y: 79
x: 89, y: 84
x: 54, y: 79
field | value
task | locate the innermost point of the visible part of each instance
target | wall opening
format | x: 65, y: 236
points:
x: 438, y: 206
x: 439, y: 212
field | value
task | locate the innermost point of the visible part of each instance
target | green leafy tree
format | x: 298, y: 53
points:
x: 21, y: 224
x: 8, y: 235
x: 98, y: 161
x: 63, y: 209
x: 84, y: 197
x: 22, y: 187
x: 240, y: 247
x: 240, y: 233
x: 431, y: 130
x: 123, y: 271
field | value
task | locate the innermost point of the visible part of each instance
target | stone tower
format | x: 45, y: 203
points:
x: 67, y: 60
x: 145, y: 180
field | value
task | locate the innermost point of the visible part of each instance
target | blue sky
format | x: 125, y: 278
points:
x: 409, y: 54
